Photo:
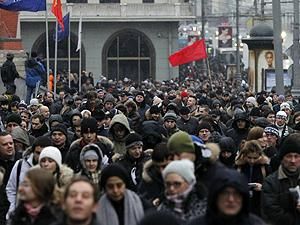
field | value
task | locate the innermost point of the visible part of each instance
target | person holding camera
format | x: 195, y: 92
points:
x: 280, y: 204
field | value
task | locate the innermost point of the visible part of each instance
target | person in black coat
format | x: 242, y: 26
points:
x: 228, y: 202
x: 9, y: 73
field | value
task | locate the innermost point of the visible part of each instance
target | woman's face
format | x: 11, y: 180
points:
x: 175, y: 184
x: 25, y: 191
x: 252, y: 157
x: 48, y: 164
x: 115, y: 188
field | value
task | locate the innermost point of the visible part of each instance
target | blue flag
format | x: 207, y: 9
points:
x: 23, y: 5
x: 62, y: 34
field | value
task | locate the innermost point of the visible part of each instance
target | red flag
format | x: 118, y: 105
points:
x: 191, y: 53
x: 57, y: 11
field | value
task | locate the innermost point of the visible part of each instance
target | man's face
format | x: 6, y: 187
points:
x: 76, y: 120
x: 271, y: 139
x: 241, y: 124
x: 135, y: 151
x: 119, y: 131
x: 202, y: 111
x: 115, y: 188
x: 204, y: 134
x: 49, y: 97
x: 89, y: 137
x: 139, y: 98
x: 229, y: 202
x: 58, y: 138
x: 291, y: 161
x: 7, y: 149
x: 280, y: 120
x: 10, y: 126
x: 170, y: 124
x: 45, y: 111
x: 271, y: 118
x: 36, y: 153
x: 191, y: 102
x: 80, y: 204
x: 185, y: 116
x: 91, y: 165
x: 109, y: 106
x: 36, y: 124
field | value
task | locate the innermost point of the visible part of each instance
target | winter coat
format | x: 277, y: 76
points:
x: 35, y: 72
x: 73, y: 155
x: 12, y: 186
x: 119, y: 144
x: 239, y: 134
x: 152, y: 184
x: 63, y: 221
x: 278, y: 203
x: 9, y: 72
x: 39, y: 132
x: 194, y: 205
x: 255, y: 174
x: 227, y: 178
x: 151, y: 132
x: 134, y: 116
x: 48, y: 214
x: 190, y: 126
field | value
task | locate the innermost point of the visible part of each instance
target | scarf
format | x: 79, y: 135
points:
x: 31, y: 211
x: 95, y: 176
x: 133, y: 210
x: 178, y: 199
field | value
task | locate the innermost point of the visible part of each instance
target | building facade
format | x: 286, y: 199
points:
x: 120, y: 39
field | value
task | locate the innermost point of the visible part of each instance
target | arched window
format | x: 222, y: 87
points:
x: 129, y: 54
x: 39, y: 46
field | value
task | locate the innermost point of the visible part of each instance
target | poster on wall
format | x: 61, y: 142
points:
x: 225, y: 37
x: 270, y: 79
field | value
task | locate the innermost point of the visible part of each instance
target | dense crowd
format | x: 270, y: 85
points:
x: 196, y: 151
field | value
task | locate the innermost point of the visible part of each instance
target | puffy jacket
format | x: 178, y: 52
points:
x: 34, y: 72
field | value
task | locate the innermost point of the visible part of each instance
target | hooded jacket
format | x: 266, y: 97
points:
x: 227, y: 178
x: 239, y: 134
x: 119, y: 144
x: 133, y: 115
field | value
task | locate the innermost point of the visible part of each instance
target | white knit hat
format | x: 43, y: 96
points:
x: 281, y: 114
x: 184, y: 168
x: 252, y: 100
x: 52, y: 153
x: 284, y: 106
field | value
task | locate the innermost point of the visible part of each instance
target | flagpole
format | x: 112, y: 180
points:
x: 80, y: 69
x: 69, y: 49
x: 55, y: 56
x: 47, y: 46
x: 79, y: 45
x: 209, y: 73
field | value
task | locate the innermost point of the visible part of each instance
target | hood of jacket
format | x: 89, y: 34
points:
x: 31, y: 63
x: 21, y: 135
x: 55, y: 117
x: 241, y: 116
x: 132, y: 104
x: 227, y: 178
x: 121, y: 119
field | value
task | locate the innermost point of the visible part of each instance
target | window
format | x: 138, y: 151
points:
x: 148, y: 1
x: 109, y: 1
x: 77, y: 1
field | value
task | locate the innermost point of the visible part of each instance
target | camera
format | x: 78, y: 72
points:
x: 251, y: 186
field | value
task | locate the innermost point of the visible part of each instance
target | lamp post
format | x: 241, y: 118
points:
x: 238, y: 77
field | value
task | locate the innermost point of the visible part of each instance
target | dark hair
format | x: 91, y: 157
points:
x: 42, y: 141
x: 81, y: 179
x: 38, y: 116
x: 4, y: 133
x: 160, y: 152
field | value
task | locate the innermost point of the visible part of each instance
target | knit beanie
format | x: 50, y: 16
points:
x: 284, y: 106
x: 89, y: 125
x: 13, y: 117
x: 140, y: 93
x: 109, y: 98
x: 170, y: 116
x: 99, y: 115
x: 184, y: 110
x: 133, y: 139
x: 60, y: 127
x: 52, y: 153
x: 20, y: 135
x: 181, y: 142
x: 291, y: 144
x: 252, y: 100
x: 90, y: 154
x: 114, y: 170
x: 272, y: 129
x: 184, y: 168
x: 281, y: 114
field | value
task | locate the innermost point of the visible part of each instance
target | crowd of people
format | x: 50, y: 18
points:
x: 119, y: 153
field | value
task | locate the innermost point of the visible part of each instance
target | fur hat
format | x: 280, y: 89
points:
x: 181, y: 142
x: 52, y: 153
x: 89, y: 125
x: 184, y: 168
x: 291, y: 144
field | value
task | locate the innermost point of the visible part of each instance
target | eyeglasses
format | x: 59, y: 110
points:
x: 175, y: 184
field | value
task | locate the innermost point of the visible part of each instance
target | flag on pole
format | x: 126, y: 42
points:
x: 23, y: 5
x: 191, y: 53
x: 79, y: 34
x: 57, y: 11
x: 63, y: 33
